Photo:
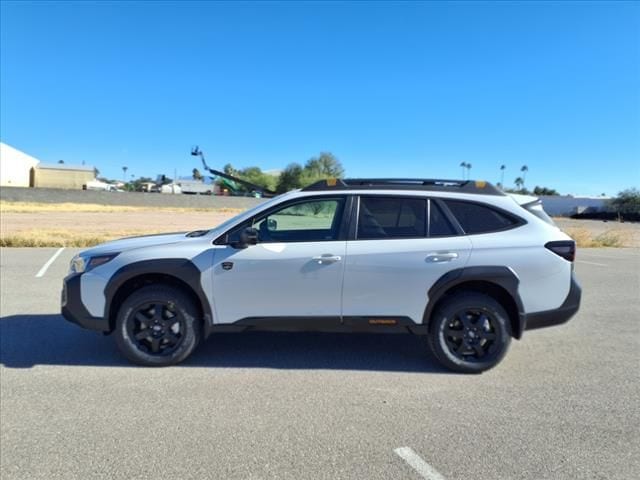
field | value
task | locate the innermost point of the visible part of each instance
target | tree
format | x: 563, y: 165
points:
x: 124, y: 175
x: 463, y: 165
x: 196, y: 174
x: 325, y: 165
x: 519, y: 183
x: 626, y: 203
x: 229, y: 170
x: 502, y: 169
x: 96, y: 172
x: 60, y: 161
x: 544, y: 191
x: 524, y: 169
x: 290, y: 178
x: 468, y: 170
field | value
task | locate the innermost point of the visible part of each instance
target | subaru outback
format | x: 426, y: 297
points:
x: 459, y: 262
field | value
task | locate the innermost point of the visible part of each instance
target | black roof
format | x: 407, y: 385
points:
x: 430, y: 184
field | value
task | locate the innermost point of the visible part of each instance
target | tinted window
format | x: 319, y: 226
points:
x: 439, y: 225
x: 476, y: 218
x: 389, y: 217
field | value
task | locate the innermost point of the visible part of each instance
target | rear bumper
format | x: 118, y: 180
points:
x: 560, y: 315
x: 74, y: 310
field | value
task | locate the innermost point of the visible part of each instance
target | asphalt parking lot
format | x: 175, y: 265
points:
x: 563, y: 405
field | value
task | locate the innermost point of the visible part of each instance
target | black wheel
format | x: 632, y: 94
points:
x: 469, y: 333
x: 157, y: 326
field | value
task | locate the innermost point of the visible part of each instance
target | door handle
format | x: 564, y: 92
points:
x: 326, y: 258
x: 439, y: 257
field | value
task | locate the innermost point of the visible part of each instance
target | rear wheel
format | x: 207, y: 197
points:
x: 157, y: 326
x: 469, y: 333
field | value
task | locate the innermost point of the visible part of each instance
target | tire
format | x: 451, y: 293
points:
x: 469, y: 333
x: 157, y: 326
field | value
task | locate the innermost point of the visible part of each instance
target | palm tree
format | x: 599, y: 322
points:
x: 463, y: 165
x: 524, y: 169
x: 468, y: 170
x: 124, y: 175
x: 502, y: 169
x: 519, y: 183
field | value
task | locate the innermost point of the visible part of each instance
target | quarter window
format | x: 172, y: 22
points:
x: 391, y: 217
x: 475, y: 218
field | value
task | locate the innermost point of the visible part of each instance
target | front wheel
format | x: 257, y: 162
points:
x: 469, y: 333
x: 157, y: 326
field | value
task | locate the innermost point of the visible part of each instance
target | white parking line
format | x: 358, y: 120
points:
x: 418, y: 464
x: 592, y: 263
x: 44, y: 268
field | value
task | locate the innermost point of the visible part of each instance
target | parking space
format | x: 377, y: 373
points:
x: 563, y: 404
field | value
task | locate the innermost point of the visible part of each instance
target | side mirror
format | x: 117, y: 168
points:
x: 272, y: 224
x: 249, y: 236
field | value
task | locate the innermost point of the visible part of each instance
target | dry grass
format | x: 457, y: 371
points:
x: 34, y: 207
x: 610, y: 238
x: 64, y: 238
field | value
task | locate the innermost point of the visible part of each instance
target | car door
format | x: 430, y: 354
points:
x: 295, y: 269
x: 401, y: 246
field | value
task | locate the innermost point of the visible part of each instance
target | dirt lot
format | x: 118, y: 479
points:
x: 82, y: 228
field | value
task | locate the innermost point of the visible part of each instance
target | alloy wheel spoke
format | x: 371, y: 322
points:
x: 478, y: 350
x: 171, y: 337
x: 155, y: 345
x: 142, y: 334
x: 450, y: 332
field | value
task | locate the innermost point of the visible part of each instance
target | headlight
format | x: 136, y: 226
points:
x: 84, y: 264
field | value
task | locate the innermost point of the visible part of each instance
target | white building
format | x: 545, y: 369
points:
x: 15, y: 166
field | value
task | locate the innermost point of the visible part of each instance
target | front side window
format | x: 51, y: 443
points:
x: 475, y: 218
x: 391, y: 217
x: 309, y: 221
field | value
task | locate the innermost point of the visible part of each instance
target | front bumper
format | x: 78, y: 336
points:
x: 559, y: 315
x: 73, y: 309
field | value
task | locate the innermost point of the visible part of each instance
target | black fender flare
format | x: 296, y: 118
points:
x: 180, y: 268
x: 497, y: 275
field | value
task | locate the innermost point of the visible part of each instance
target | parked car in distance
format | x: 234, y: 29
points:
x: 458, y: 262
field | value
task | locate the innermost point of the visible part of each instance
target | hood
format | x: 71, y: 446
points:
x: 131, y: 243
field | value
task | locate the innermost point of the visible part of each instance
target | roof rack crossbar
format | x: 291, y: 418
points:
x: 433, y: 184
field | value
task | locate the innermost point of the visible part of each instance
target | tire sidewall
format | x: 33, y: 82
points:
x: 185, y: 308
x: 446, y: 313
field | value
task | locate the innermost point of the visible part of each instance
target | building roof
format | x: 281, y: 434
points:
x: 9, y: 153
x: 64, y: 166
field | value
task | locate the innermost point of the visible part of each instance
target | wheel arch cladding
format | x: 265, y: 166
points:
x: 178, y: 273
x: 498, y: 282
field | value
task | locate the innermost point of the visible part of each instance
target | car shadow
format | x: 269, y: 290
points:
x: 29, y: 340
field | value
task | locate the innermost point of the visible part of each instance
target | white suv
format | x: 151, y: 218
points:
x: 459, y: 262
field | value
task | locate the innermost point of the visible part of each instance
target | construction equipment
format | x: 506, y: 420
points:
x: 264, y: 192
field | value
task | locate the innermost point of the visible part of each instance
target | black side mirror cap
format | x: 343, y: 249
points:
x: 249, y: 236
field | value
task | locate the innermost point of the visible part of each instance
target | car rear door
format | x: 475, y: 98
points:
x: 295, y: 269
x: 400, y: 246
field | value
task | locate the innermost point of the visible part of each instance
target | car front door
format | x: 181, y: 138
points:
x: 294, y: 270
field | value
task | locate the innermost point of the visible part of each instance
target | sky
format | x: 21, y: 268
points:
x: 392, y: 89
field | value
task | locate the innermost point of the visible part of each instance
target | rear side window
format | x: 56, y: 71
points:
x: 475, y: 218
x: 391, y: 217
x: 439, y: 225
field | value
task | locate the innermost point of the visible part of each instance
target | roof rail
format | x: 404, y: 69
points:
x: 431, y: 184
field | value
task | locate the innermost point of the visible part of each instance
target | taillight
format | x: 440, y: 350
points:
x: 565, y: 248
